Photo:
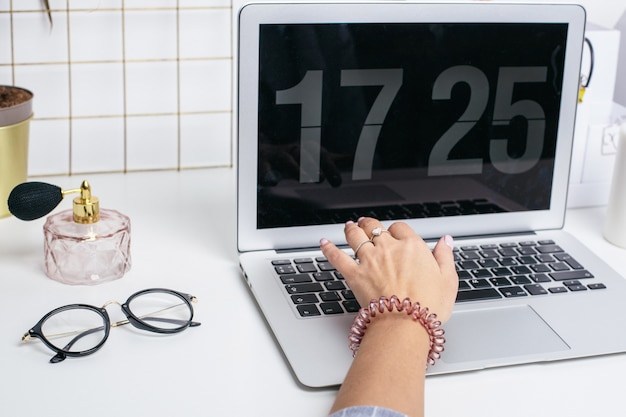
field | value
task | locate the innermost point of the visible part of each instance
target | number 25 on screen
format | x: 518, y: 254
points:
x: 308, y: 93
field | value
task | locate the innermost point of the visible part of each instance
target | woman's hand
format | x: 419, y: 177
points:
x: 397, y: 262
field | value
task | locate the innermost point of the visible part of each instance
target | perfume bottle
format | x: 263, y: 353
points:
x: 87, y: 245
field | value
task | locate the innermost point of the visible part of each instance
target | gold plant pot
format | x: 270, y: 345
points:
x: 15, y: 115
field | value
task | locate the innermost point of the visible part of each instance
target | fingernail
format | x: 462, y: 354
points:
x: 360, y: 219
x: 323, y: 241
x: 449, y: 241
x: 349, y: 222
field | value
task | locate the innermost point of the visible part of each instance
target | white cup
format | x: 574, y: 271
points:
x: 615, y: 222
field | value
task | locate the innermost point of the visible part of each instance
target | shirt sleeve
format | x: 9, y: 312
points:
x: 367, y: 411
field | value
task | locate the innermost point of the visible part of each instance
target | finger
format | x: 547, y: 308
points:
x: 367, y: 224
x: 401, y: 230
x: 357, y: 239
x: 338, y: 258
x: 354, y: 234
x: 444, y: 255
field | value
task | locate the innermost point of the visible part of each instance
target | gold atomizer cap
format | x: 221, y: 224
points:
x: 86, y: 207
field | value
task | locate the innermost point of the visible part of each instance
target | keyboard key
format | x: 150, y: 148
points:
x: 598, y: 286
x: 545, y: 258
x: 539, y: 277
x: 302, y: 260
x: 526, y: 251
x: 329, y: 296
x: 481, y: 273
x: 304, y: 299
x: 510, y: 292
x: 567, y: 275
x: 507, y: 252
x: 520, y: 279
x: 479, y: 283
x: 568, y: 260
x: 500, y: 282
x: 302, y: 288
x: 527, y: 260
x: 482, y: 294
x: 306, y: 268
x: 489, y: 254
x: 489, y: 246
x: 540, y: 268
x: 520, y: 270
x: 335, y: 286
x: 464, y: 274
x: 508, y: 261
x: 308, y: 310
x: 325, y: 266
x: 295, y: 278
x: 284, y: 269
x: 351, y: 306
x: 557, y: 290
x: 468, y: 265
x: 501, y: 272
x: 348, y: 295
x: 323, y: 276
x: 559, y: 266
x: 463, y: 285
x: 549, y: 249
x: 487, y: 263
x: 535, y: 289
x: 331, y: 308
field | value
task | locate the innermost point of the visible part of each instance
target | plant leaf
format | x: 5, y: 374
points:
x: 47, y: 6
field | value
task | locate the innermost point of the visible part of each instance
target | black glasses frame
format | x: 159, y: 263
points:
x: 138, y: 322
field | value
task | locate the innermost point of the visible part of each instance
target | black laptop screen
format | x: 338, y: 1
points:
x: 406, y: 120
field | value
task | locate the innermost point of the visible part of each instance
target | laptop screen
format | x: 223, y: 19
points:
x: 406, y: 120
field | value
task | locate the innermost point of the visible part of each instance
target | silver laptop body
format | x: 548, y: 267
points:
x: 349, y: 109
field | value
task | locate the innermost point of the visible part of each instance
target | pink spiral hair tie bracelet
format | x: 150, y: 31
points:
x: 427, y: 319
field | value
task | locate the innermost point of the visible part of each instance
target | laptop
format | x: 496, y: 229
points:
x: 454, y: 118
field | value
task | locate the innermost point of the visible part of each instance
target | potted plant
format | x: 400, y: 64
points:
x: 15, y: 114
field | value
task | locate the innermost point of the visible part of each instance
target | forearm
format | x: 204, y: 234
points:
x: 390, y: 366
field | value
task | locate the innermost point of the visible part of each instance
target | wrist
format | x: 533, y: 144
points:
x: 399, y: 324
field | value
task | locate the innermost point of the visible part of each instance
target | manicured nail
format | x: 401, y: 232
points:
x: 323, y: 241
x: 349, y: 222
x: 449, y: 241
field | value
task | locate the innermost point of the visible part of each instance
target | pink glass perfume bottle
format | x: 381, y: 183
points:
x: 87, y: 245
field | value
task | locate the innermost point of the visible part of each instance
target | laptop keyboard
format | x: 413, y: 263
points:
x: 486, y: 272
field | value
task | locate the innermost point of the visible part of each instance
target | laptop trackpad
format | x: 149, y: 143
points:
x: 498, y: 333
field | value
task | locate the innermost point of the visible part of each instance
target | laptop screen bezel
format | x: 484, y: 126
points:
x: 251, y: 16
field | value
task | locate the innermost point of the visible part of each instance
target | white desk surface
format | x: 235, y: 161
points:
x: 183, y: 237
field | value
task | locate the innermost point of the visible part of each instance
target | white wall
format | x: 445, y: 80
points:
x: 124, y: 85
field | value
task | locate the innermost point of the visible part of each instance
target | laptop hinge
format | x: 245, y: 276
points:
x: 489, y: 236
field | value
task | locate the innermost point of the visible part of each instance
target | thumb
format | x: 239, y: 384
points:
x: 444, y: 255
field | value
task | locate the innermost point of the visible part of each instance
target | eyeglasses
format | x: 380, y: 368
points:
x: 79, y: 329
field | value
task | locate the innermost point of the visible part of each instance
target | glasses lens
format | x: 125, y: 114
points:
x: 75, y: 329
x: 163, y: 310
